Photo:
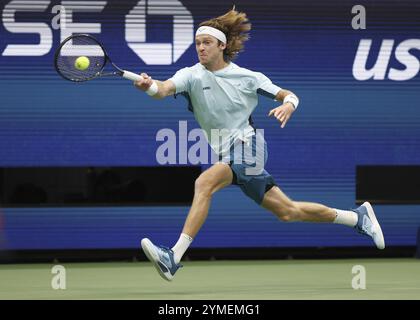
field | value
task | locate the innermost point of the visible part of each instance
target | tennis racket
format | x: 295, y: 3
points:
x: 84, y: 45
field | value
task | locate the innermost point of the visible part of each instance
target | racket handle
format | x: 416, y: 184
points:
x: 131, y: 76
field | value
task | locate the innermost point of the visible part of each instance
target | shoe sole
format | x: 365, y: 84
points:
x: 148, y: 249
x: 371, y: 214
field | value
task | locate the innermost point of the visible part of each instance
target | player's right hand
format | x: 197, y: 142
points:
x: 145, y: 83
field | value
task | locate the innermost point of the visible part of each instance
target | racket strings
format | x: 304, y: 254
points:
x: 74, y: 48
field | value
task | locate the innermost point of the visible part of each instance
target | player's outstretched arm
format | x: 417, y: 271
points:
x: 284, y: 112
x: 155, y: 88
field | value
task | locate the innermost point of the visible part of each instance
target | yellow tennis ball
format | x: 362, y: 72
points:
x: 82, y: 63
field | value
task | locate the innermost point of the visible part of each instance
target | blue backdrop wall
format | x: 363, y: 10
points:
x: 359, y: 92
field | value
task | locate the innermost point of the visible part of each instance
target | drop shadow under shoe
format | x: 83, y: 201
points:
x: 368, y: 225
x: 162, y: 258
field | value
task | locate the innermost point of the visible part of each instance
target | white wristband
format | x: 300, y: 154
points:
x: 153, y: 89
x: 292, y: 99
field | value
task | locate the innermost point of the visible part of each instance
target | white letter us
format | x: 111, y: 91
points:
x: 359, y: 280
x: 59, y: 280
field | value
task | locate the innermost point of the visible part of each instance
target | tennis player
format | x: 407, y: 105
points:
x: 223, y: 95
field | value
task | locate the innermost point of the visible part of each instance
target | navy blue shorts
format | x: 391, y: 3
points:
x: 247, y: 161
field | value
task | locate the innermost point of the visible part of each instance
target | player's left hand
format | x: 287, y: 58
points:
x: 283, y: 113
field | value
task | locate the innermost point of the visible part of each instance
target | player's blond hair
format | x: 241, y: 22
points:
x: 235, y: 26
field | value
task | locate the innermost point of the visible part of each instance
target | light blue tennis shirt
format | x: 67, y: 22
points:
x: 223, y: 100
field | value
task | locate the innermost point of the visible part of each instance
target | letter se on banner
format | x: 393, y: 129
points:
x: 135, y: 27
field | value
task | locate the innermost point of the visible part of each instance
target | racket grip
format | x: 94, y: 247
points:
x: 131, y: 76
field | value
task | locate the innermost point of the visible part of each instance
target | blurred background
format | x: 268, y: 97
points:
x: 79, y: 179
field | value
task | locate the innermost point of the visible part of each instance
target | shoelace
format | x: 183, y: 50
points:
x: 163, y: 248
x: 368, y: 227
x: 164, y: 254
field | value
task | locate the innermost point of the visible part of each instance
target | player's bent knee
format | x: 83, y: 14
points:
x: 288, y: 213
x: 204, y: 186
x: 284, y: 217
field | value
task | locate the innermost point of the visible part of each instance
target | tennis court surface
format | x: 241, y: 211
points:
x: 208, y: 280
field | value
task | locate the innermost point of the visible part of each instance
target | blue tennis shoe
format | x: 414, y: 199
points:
x: 162, y: 258
x: 368, y: 225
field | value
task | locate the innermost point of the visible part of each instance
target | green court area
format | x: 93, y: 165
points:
x: 210, y: 280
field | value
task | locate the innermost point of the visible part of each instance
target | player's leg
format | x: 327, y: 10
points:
x: 165, y: 260
x: 363, y: 219
x: 213, y: 179
x: 210, y: 181
x: 287, y: 210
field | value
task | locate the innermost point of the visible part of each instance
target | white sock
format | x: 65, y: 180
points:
x: 181, y: 246
x: 348, y: 218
